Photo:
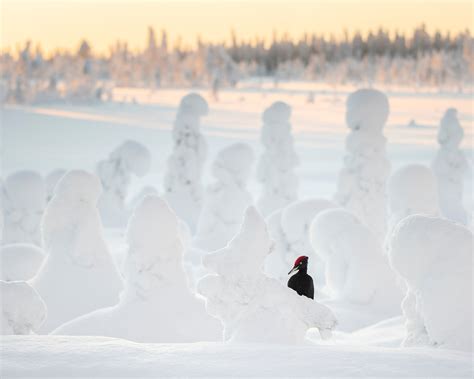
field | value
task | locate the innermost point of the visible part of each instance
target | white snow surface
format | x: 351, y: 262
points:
x: 23, y: 310
x: 157, y: 305
x: 23, y: 202
x: 434, y: 257
x: 20, y: 261
x: 79, y: 274
x: 253, y: 307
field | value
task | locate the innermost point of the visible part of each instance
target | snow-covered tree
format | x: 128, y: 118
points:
x: 276, y: 167
x: 226, y: 199
x: 23, y: 202
x: 434, y: 257
x: 450, y: 167
x: 251, y: 306
x: 362, y: 181
x: 157, y: 305
x: 23, y: 310
x: 20, y: 261
x: 79, y: 274
x: 115, y: 172
x: 182, y: 181
x: 51, y: 180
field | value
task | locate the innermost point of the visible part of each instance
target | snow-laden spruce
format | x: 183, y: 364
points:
x: 362, y: 181
x: 226, y: 199
x: 276, y: 166
x: 356, y: 268
x: 20, y: 261
x: 183, y: 179
x: 412, y: 189
x: 79, y: 274
x: 51, y: 180
x: 450, y: 167
x: 23, y: 202
x: 156, y: 305
x: 252, y: 306
x: 23, y: 310
x: 434, y: 257
x: 116, y: 172
x: 289, y: 228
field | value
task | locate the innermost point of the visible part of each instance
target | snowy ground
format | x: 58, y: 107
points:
x: 53, y: 136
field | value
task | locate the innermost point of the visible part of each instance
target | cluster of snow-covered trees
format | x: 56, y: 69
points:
x: 387, y: 243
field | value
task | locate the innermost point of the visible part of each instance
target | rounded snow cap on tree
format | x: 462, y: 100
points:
x: 79, y: 186
x: 236, y: 158
x: 279, y: 111
x: 450, y: 131
x: 136, y: 157
x: 367, y: 109
x: 195, y: 104
x: 25, y: 189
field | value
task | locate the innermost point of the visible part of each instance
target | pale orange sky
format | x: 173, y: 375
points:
x: 63, y: 23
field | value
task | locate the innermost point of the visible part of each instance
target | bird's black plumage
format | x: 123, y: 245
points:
x: 301, y: 282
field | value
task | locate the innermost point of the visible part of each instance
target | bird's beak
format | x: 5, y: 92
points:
x: 293, y: 269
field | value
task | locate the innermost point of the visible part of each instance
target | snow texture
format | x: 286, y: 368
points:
x: 128, y: 159
x: 252, y: 307
x: 356, y: 268
x: 183, y: 177
x: 23, y: 310
x: 434, y: 256
x: 23, y: 202
x: 20, y: 261
x: 289, y: 228
x: 362, y: 181
x: 450, y: 167
x: 157, y: 305
x: 79, y: 274
x: 226, y: 199
x: 51, y: 180
x: 276, y: 166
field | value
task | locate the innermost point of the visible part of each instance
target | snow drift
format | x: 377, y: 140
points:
x: 434, y: 257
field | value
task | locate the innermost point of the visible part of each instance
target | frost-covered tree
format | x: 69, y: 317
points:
x: 51, y: 180
x: 182, y: 181
x: 23, y: 202
x: 362, y: 181
x: 434, y: 257
x: 450, y: 167
x: 23, y: 311
x: 226, y: 199
x: 115, y: 173
x: 156, y: 305
x: 251, y: 306
x: 79, y: 274
x: 276, y: 167
x: 20, y: 261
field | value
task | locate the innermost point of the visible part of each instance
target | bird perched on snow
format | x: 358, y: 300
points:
x: 301, y: 282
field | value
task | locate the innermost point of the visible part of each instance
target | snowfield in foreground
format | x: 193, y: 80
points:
x: 36, y: 356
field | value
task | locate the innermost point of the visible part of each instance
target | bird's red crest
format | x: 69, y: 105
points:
x: 299, y: 260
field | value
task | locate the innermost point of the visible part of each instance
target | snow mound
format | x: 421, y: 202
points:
x: 276, y: 166
x: 51, y: 180
x: 356, y: 269
x: 450, y: 167
x: 19, y: 261
x: 79, y: 274
x: 183, y: 177
x: 128, y: 159
x: 434, y: 256
x: 226, y: 199
x: 23, y: 311
x: 289, y: 228
x: 251, y: 306
x: 23, y: 202
x: 361, y: 184
x: 157, y: 305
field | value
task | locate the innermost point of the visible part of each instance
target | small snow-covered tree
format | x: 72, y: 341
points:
x: 22, y: 309
x: 23, y: 202
x: 157, y: 305
x: 79, y: 274
x: 251, y: 306
x: 226, y: 199
x: 182, y: 181
x: 434, y: 257
x: 450, y: 167
x: 20, y: 261
x: 361, y: 184
x: 115, y: 172
x: 276, y: 166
